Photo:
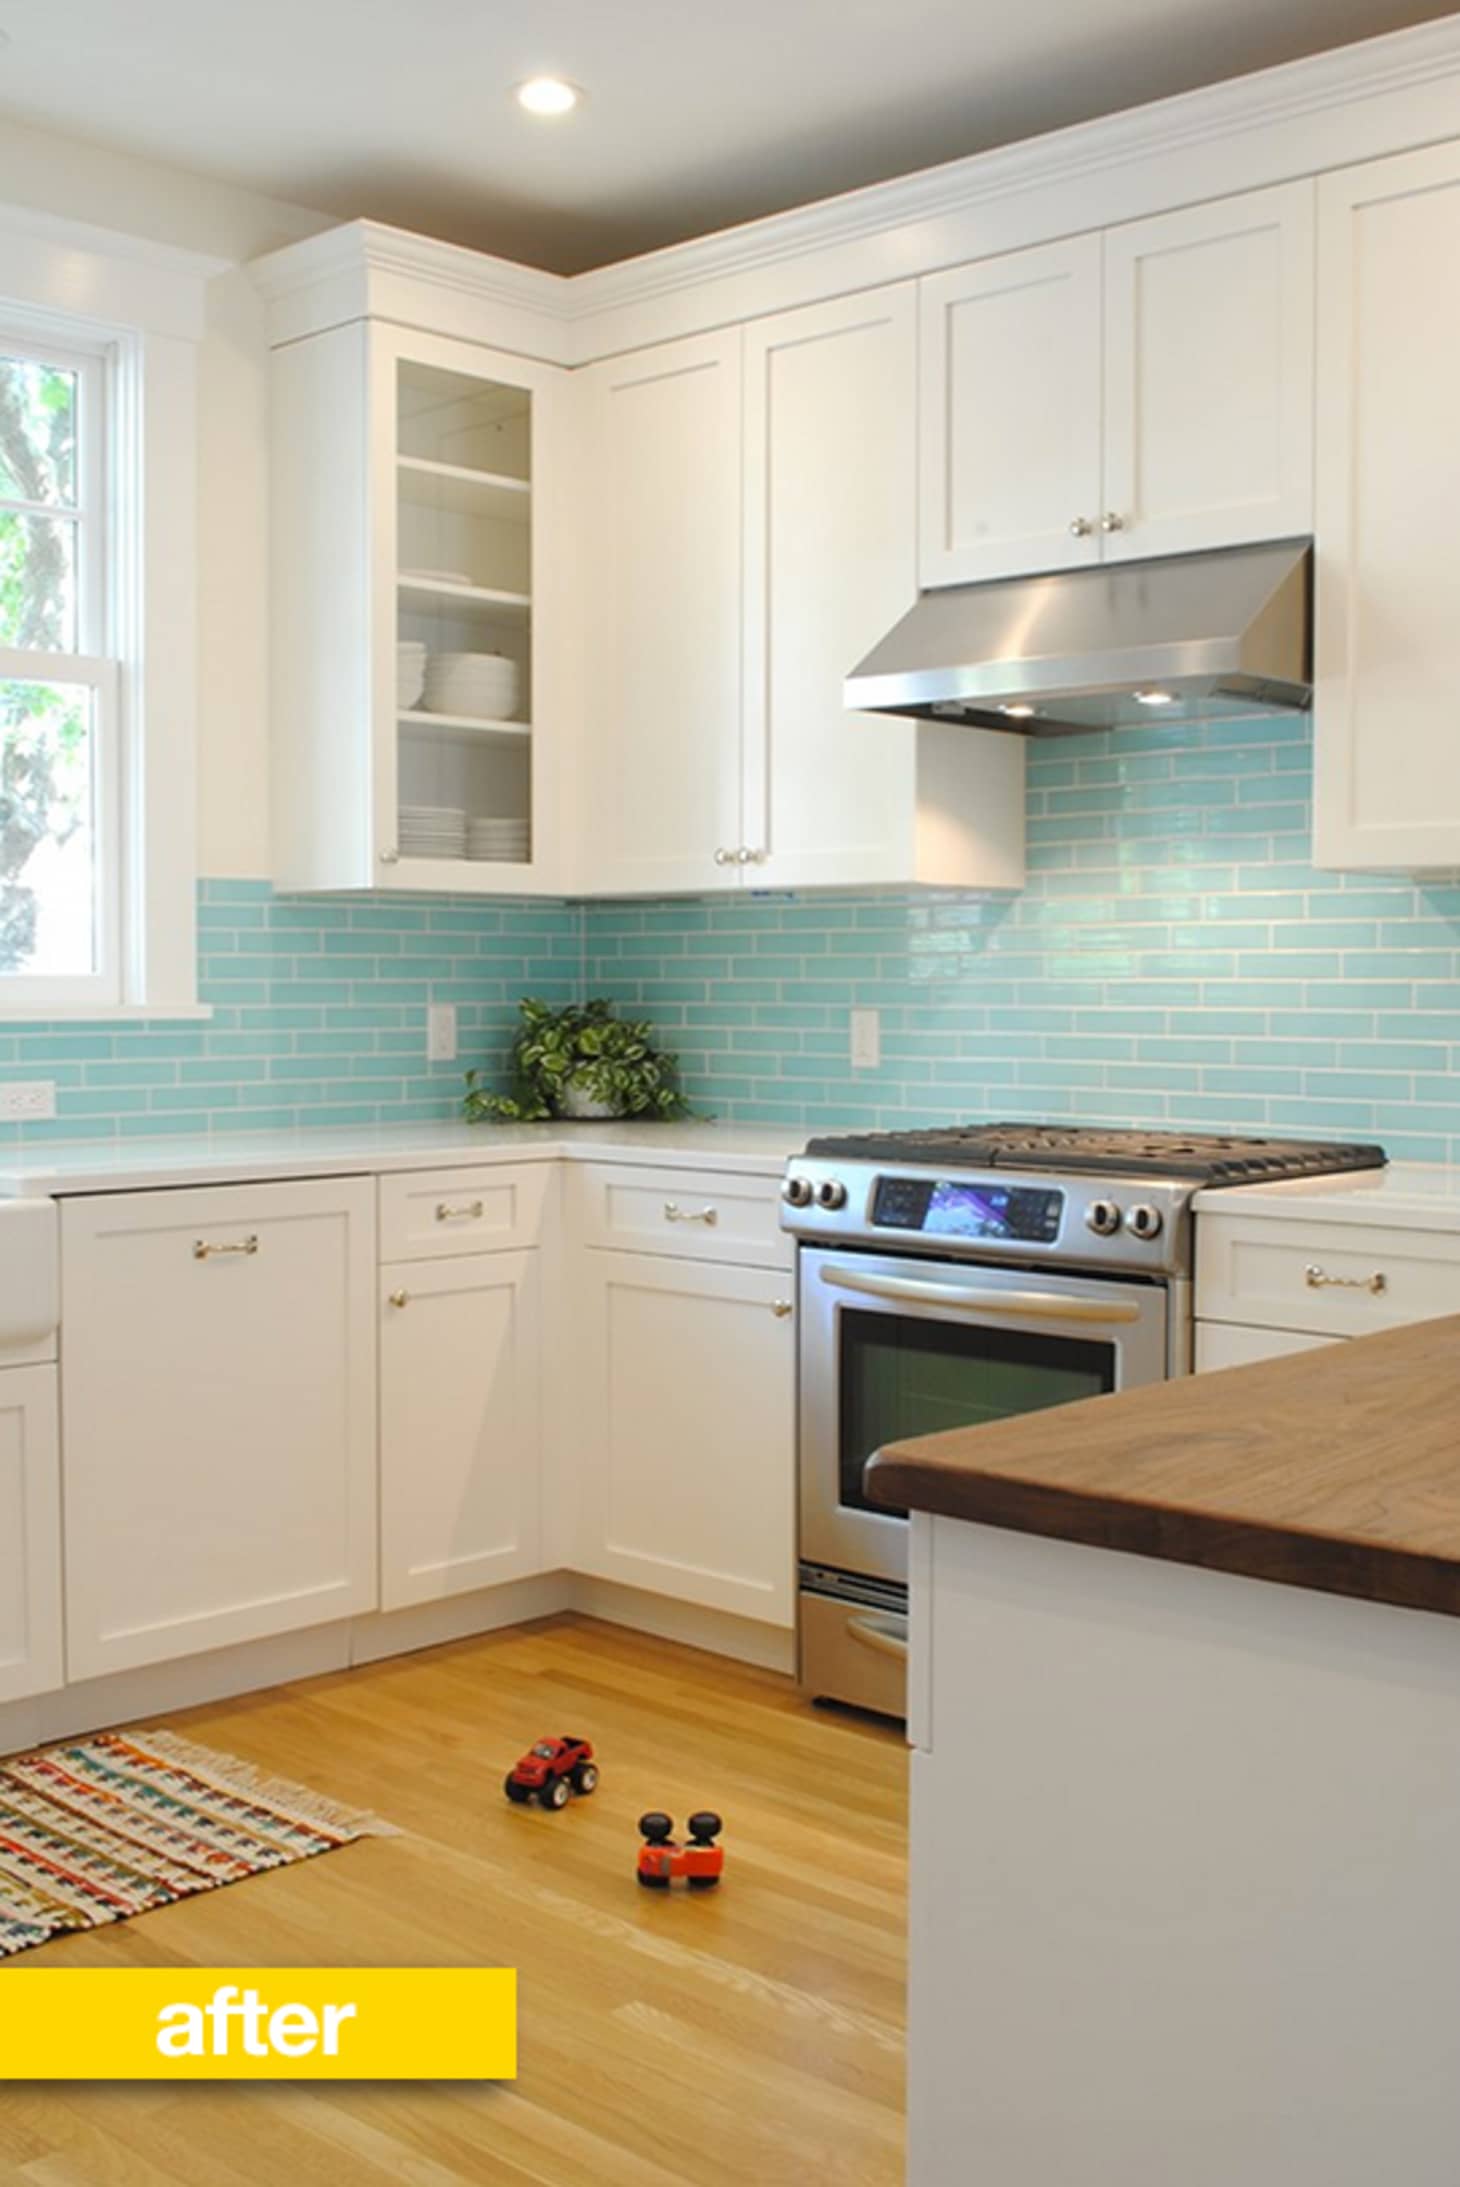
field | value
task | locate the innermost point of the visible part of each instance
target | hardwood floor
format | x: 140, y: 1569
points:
x: 750, y: 2037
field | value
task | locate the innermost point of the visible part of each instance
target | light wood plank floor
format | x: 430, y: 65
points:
x: 742, y: 2038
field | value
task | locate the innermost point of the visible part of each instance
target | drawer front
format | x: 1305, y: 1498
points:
x: 1335, y: 1279
x: 433, y: 1214
x: 688, y: 1214
x: 1228, y: 1344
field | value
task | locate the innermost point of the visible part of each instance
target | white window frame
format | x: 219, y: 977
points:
x: 139, y: 307
x: 92, y: 665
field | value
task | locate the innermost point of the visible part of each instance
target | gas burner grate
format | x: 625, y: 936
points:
x: 1211, y: 1157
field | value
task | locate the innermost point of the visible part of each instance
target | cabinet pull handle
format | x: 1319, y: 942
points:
x: 1318, y: 1279
x: 469, y: 1210
x: 390, y: 858
x: 400, y: 1298
x: 726, y: 858
x: 1080, y: 527
x: 674, y: 1213
x: 206, y: 1249
x: 745, y: 856
x: 781, y: 1308
x: 1112, y: 521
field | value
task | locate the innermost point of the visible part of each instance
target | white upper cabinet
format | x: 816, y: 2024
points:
x: 1144, y: 392
x: 659, y: 761
x: 749, y: 526
x: 1209, y: 375
x: 418, y: 626
x: 830, y: 565
x: 1387, y: 696
x: 1010, y: 414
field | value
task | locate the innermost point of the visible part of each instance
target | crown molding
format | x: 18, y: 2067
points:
x: 1356, y: 102
x: 1398, y: 62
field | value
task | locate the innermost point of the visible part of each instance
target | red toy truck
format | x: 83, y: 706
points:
x: 701, y: 1861
x: 552, y: 1771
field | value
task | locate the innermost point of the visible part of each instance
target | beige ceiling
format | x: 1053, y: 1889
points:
x: 698, y: 115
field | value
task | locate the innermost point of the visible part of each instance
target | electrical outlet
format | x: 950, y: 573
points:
x: 441, y: 1032
x: 866, y: 1040
x: 30, y: 1101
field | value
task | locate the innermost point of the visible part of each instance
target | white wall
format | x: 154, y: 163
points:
x: 59, y: 175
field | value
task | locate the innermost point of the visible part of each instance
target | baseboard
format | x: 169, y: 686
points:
x: 127, y: 1697
x: 769, y: 1647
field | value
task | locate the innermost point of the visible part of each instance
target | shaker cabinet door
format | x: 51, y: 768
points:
x: 460, y: 1364
x: 30, y: 1534
x: 1009, y: 415
x: 219, y: 1396
x: 1386, y: 776
x: 688, y: 1454
x: 659, y: 763
x: 1209, y: 376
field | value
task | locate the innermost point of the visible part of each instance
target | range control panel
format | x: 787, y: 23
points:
x: 1134, y: 1225
x: 946, y: 1207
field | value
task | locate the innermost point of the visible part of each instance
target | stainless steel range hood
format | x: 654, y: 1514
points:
x: 1190, y: 637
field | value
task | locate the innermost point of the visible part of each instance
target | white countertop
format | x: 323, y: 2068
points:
x: 140, y: 1165
x: 1407, y: 1195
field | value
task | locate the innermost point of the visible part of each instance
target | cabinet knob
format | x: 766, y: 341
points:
x: 781, y: 1308
x: 1112, y: 521
x: 400, y: 1298
x: 390, y: 858
x: 1081, y: 527
x: 745, y: 856
x: 726, y: 858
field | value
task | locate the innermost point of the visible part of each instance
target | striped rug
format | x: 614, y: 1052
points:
x: 115, y: 1825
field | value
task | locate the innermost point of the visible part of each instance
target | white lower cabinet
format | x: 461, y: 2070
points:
x: 218, y: 1383
x: 30, y: 1534
x: 460, y: 1440
x: 687, y: 1484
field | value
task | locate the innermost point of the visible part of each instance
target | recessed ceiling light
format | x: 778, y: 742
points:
x: 1155, y: 698
x: 548, y: 95
x: 1019, y: 710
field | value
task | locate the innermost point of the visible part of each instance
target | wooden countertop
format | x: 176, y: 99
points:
x: 1337, y: 1469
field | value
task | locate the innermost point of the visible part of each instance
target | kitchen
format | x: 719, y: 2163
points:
x: 753, y: 535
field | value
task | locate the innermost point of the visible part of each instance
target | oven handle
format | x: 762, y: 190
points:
x: 1018, y: 1305
x: 884, y: 1639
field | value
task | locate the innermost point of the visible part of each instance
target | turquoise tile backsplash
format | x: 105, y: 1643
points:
x: 319, y: 1017
x: 1175, y: 959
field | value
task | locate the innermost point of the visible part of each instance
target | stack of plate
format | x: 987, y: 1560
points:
x: 505, y: 842
x: 410, y: 672
x: 485, y: 685
x: 432, y: 831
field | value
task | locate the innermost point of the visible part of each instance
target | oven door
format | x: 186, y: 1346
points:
x: 893, y: 1347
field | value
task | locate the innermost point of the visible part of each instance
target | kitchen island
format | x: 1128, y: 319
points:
x: 1185, y: 1708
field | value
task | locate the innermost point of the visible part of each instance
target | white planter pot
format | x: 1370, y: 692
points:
x: 577, y: 1103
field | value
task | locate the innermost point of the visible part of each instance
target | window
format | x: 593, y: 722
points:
x: 60, y: 761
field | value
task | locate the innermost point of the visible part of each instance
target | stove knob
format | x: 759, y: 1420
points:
x: 796, y: 1192
x: 1103, y: 1217
x: 831, y: 1192
x: 1144, y: 1221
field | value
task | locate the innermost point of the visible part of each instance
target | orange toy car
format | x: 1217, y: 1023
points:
x: 552, y: 1771
x: 701, y: 1861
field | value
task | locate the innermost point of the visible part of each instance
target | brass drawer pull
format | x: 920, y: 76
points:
x: 205, y: 1249
x: 674, y: 1213
x: 1318, y: 1279
x: 400, y: 1298
x: 782, y: 1309
x: 470, y: 1211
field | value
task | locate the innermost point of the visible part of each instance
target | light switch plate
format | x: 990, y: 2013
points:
x: 441, y: 1032
x: 866, y: 1040
x: 30, y: 1100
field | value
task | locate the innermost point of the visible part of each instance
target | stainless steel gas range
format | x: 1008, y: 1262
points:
x: 952, y: 1276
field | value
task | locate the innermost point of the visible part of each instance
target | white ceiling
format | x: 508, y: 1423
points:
x: 699, y: 113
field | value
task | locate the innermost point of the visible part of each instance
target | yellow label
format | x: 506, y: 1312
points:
x: 258, y: 2024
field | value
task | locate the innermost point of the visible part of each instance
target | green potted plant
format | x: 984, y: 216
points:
x: 580, y: 1061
